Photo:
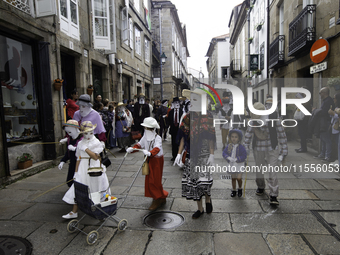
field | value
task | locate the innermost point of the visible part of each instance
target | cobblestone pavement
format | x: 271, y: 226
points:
x: 247, y: 225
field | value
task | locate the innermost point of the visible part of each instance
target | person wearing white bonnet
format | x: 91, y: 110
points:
x: 87, y: 153
x: 266, y: 141
x: 151, y: 143
x: 86, y: 113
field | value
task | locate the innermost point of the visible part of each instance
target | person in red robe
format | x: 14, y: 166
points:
x: 151, y: 143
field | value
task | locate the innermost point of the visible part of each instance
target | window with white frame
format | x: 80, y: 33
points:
x: 137, y: 5
x: 131, y: 32
x: 147, y: 49
x: 69, y: 19
x: 125, y: 27
x: 281, y: 19
x: 101, y: 24
x: 173, y: 62
x: 138, y: 45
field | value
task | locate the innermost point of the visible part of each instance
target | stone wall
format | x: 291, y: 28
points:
x: 35, y: 149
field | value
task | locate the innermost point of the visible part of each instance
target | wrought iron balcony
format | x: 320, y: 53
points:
x: 302, y: 31
x: 155, y: 52
x: 277, y: 52
x: 235, y: 67
x: 22, y: 5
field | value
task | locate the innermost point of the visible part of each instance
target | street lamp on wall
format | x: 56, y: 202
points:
x: 163, y: 58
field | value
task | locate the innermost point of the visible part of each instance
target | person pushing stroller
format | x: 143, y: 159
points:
x: 151, y: 143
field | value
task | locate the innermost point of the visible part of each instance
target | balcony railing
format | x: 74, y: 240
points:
x: 277, y: 52
x: 302, y: 31
x: 155, y: 52
x: 235, y: 66
x: 22, y: 5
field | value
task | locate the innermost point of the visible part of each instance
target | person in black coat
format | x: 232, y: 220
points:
x: 161, y: 118
x: 140, y: 112
x: 173, y: 119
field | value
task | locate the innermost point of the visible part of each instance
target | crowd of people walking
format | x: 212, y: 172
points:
x: 139, y: 125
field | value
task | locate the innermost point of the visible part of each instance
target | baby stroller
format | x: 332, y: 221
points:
x: 90, y: 204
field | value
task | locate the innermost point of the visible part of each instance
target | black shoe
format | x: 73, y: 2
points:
x: 319, y: 157
x: 233, y: 193
x: 197, y: 214
x: 173, y: 159
x: 239, y: 193
x: 209, y: 207
x: 273, y: 200
x: 259, y: 192
x: 297, y: 149
x: 300, y: 150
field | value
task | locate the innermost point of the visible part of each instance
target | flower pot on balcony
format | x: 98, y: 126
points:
x: 89, y: 91
x: 25, y: 164
x: 58, y: 85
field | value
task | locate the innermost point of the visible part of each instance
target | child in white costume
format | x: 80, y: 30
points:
x: 87, y: 154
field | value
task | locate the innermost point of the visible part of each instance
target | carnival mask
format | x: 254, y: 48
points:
x: 88, y: 135
x: 141, y: 100
x: 84, y: 110
x: 176, y: 105
x: 150, y: 134
x: 73, y: 132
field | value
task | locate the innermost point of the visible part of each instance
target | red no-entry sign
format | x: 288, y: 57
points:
x: 319, y: 50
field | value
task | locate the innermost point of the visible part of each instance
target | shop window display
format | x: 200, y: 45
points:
x: 18, y: 90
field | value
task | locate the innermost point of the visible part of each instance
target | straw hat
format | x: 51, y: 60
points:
x: 87, y: 126
x: 257, y: 106
x: 84, y: 100
x: 150, y: 122
x: 121, y: 104
x: 141, y: 95
x: 269, y: 100
x: 186, y: 93
x: 71, y: 123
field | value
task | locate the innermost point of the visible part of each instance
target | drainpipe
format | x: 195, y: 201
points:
x: 268, y: 37
x: 248, y: 20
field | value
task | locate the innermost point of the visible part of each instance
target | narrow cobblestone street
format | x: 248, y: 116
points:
x: 246, y: 225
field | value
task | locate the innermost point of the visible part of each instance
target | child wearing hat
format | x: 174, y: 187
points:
x: 72, y: 128
x: 151, y: 143
x: 235, y: 154
x: 87, y: 153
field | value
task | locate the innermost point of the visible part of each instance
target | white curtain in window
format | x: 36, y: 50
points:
x: 124, y: 27
x: 147, y: 50
x: 131, y: 32
x: 137, y: 41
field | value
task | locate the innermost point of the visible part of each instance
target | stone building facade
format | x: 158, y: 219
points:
x: 78, y: 41
x: 133, y: 61
x: 169, y: 36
